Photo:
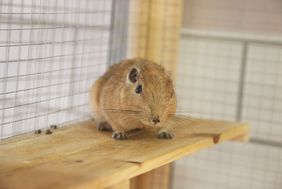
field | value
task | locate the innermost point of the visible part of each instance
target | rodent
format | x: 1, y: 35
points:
x: 133, y: 94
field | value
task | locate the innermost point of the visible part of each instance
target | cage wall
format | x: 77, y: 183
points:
x: 231, y: 68
x: 50, y: 53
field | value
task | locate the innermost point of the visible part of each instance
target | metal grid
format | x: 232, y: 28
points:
x: 204, y: 77
x: 230, y: 68
x: 50, y: 54
x: 262, y: 104
x: 232, y: 76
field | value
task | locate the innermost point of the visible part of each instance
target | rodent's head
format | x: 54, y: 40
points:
x: 149, y: 91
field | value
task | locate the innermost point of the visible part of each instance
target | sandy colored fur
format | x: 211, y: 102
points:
x: 113, y: 98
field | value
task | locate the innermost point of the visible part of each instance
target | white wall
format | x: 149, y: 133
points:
x: 209, y: 86
x: 234, y: 15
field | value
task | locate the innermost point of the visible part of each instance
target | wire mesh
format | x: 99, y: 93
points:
x: 209, y: 86
x: 230, y: 68
x: 50, y: 53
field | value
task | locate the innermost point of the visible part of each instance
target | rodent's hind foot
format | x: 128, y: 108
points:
x: 118, y: 135
x: 104, y: 126
x: 166, y: 135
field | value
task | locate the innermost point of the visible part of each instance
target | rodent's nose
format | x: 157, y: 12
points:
x: 156, y: 119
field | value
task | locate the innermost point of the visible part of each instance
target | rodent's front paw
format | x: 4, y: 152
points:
x: 119, y: 135
x: 104, y: 126
x: 166, y: 135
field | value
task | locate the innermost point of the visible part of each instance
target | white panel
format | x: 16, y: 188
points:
x: 208, y: 78
x: 207, y: 86
x: 263, y: 94
x: 235, y: 166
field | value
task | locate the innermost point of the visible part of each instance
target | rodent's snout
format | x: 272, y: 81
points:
x: 156, y: 119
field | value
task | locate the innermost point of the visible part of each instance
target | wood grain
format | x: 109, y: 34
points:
x: 154, y: 31
x: 158, y: 178
x: 122, y: 185
x: 78, y: 156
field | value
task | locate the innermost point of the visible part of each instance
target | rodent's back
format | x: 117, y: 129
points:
x: 114, y: 73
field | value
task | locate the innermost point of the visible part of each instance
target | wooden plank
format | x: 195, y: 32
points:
x: 122, y: 185
x: 143, y: 181
x: 78, y: 156
x: 157, y: 178
x: 154, y: 31
x: 138, y: 30
x: 243, y: 138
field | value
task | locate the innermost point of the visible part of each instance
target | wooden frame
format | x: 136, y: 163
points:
x: 80, y: 157
x: 154, y: 33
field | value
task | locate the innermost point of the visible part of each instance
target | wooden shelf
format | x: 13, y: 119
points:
x: 78, y: 156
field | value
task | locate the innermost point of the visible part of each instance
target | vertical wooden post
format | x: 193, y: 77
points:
x: 156, y: 179
x: 154, y: 33
x: 144, y: 181
x: 122, y: 185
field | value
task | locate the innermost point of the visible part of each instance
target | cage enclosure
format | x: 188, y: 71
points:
x: 225, y: 58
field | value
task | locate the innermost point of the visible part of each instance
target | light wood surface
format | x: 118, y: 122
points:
x: 157, y: 178
x: 122, y: 185
x: 154, y: 31
x: 79, y: 156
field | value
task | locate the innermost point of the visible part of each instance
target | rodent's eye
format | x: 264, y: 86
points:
x: 138, y: 89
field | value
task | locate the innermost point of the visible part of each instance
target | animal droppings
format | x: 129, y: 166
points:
x: 38, y: 131
x: 48, y: 132
x: 216, y: 139
x: 54, y: 126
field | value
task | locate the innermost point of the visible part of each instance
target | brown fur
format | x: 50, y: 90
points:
x: 114, y: 100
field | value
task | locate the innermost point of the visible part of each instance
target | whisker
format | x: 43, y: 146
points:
x: 122, y: 110
x: 183, y: 116
x: 170, y: 122
x: 193, y: 119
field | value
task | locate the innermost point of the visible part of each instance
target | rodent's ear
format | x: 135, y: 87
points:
x: 133, y: 75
